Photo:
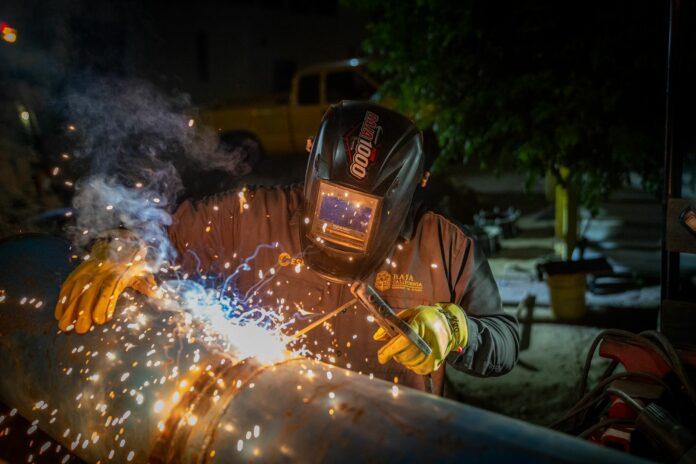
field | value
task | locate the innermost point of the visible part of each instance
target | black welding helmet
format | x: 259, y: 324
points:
x: 365, y: 164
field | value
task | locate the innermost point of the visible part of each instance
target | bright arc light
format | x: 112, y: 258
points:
x: 244, y: 331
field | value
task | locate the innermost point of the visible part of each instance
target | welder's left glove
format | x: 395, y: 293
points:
x: 443, y: 327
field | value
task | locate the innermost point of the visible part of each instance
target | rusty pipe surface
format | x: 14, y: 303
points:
x: 139, y: 389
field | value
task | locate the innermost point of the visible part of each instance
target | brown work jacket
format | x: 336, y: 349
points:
x: 436, y: 262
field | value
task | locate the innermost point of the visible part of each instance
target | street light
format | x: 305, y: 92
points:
x: 8, y: 33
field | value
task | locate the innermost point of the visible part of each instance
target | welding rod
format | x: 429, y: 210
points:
x: 324, y: 318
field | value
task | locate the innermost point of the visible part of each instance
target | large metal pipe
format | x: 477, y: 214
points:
x: 141, y: 390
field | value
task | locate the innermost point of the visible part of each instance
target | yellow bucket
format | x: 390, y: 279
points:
x: 567, y: 292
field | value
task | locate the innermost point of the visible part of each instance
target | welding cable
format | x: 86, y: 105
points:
x: 644, y: 375
x: 641, y: 340
x: 677, y: 364
x: 602, y: 425
x: 587, y: 401
x: 574, y: 412
x: 620, y: 334
x: 626, y: 399
x: 591, y: 398
x: 609, y: 370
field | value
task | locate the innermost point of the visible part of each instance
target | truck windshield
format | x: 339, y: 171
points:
x: 347, y: 85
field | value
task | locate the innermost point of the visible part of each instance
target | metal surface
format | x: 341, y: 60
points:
x: 41, y: 364
x: 217, y: 408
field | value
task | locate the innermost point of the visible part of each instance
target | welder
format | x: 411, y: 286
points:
x: 355, y: 219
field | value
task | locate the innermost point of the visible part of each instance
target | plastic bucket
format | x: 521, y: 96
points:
x: 567, y: 292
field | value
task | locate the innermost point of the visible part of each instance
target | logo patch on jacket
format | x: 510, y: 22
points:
x: 385, y: 280
x: 361, y: 144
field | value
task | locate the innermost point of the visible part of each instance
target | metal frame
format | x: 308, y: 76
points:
x: 673, y: 154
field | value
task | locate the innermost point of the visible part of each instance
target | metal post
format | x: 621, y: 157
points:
x: 672, y: 161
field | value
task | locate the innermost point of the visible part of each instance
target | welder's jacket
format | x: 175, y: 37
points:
x: 437, y: 262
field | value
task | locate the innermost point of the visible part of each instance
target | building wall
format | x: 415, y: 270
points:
x: 233, y: 50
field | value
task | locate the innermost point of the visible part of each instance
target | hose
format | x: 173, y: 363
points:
x: 589, y: 399
x: 601, y: 425
x: 627, y: 399
x: 652, y: 340
x: 676, y: 362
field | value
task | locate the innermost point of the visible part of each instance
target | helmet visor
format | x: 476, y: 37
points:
x: 344, y: 216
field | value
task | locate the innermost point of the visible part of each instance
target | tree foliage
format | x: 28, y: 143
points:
x: 530, y: 85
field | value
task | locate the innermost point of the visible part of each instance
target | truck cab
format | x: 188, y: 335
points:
x: 283, y: 128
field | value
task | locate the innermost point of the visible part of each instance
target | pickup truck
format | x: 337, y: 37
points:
x: 282, y: 128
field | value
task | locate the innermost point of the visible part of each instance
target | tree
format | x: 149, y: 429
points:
x: 543, y: 86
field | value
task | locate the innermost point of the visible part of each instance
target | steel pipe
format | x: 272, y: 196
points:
x: 139, y: 389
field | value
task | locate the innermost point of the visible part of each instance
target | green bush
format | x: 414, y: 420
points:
x: 530, y: 86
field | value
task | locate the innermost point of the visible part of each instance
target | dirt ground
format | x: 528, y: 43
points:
x: 543, y: 385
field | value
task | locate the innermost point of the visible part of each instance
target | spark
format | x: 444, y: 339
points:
x: 243, y: 329
x: 395, y: 391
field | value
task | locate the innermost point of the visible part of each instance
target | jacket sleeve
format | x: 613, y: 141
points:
x: 203, y: 231
x: 215, y: 234
x: 493, y: 337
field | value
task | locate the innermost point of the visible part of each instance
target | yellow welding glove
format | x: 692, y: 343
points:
x: 90, y: 292
x: 443, y: 327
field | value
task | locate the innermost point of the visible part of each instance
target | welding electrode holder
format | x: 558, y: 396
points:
x: 389, y: 321
x: 386, y: 317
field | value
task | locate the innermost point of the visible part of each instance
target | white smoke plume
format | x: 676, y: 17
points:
x: 132, y: 142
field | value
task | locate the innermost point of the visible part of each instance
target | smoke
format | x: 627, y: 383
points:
x: 133, y: 143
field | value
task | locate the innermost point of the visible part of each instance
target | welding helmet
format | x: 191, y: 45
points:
x: 365, y: 164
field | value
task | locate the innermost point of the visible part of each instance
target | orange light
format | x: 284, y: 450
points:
x: 9, y: 34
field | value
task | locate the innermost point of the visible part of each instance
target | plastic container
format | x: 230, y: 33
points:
x: 567, y: 294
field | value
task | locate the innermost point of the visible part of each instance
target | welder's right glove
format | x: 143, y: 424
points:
x: 90, y: 292
x: 442, y: 326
